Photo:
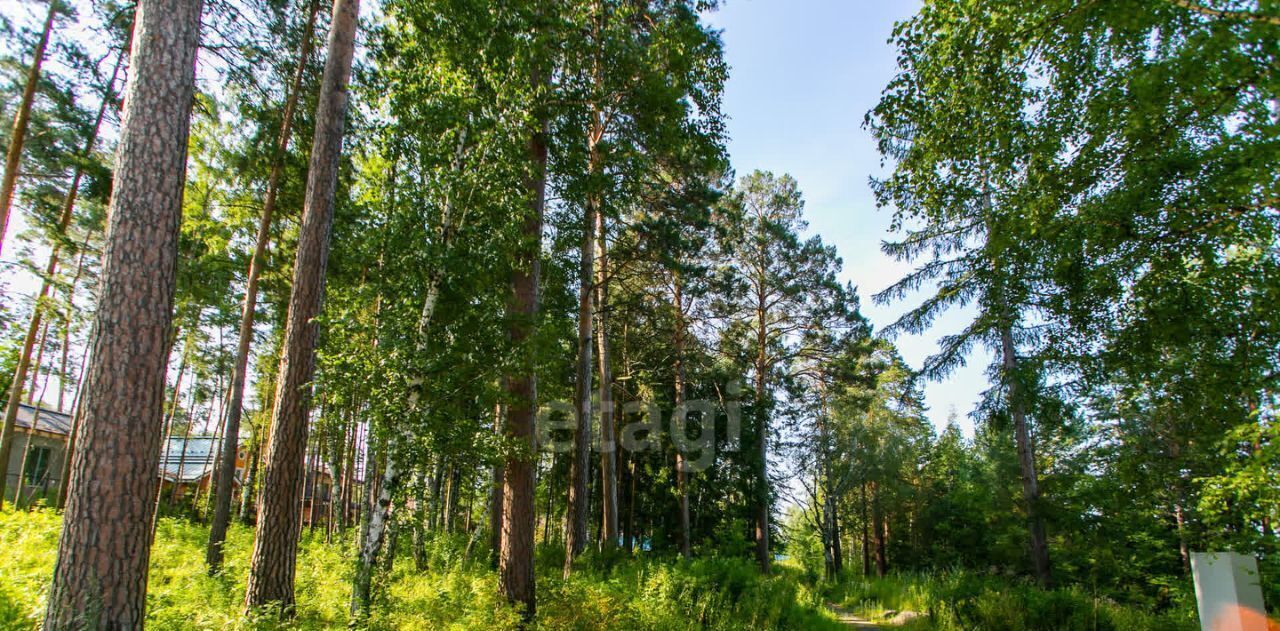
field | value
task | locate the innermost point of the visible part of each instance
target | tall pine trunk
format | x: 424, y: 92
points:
x: 231, y: 444
x: 575, y: 530
x: 515, y: 558
x: 682, y: 473
x: 763, y: 511
x: 275, y: 544
x: 879, y: 531
x: 608, y: 442
x: 866, y: 536
x: 13, y: 157
x: 250, y: 481
x: 101, y: 573
x: 495, y: 496
x: 1037, y: 540
x: 65, y: 476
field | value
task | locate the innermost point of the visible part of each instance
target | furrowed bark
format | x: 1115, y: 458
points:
x: 682, y: 474
x: 231, y: 444
x: 515, y: 560
x: 575, y: 530
x: 275, y: 545
x: 100, y: 577
x: 608, y: 444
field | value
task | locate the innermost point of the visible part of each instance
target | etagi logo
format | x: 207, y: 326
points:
x: 641, y: 428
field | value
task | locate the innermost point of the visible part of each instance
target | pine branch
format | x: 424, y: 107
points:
x: 1243, y: 16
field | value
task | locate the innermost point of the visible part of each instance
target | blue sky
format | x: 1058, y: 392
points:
x: 803, y: 75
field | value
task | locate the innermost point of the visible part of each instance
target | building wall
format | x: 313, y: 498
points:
x: 48, y: 485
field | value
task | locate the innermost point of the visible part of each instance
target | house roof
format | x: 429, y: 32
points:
x: 50, y: 422
x: 190, y: 459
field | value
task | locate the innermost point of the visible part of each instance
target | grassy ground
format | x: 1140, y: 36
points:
x: 455, y: 592
x: 959, y: 600
x: 458, y: 591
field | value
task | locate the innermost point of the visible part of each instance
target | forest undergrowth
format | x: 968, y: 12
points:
x: 455, y: 589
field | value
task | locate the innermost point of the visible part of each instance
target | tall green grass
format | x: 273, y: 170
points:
x: 456, y: 591
x: 957, y: 600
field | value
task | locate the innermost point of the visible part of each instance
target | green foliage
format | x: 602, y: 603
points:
x: 956, y: 600
x: 715, y: 593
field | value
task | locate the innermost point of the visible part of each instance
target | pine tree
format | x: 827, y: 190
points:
x: 113, y: 481
x: 275, y: 545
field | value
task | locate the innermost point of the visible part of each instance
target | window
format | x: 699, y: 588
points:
x: 37, y: 465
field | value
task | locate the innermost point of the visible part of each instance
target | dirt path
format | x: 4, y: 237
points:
x: 847, y: 618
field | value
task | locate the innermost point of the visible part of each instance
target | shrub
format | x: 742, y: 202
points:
x: 962, y: 600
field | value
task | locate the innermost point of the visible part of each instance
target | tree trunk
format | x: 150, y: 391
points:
x: 275, y: 544
x: 375, y: 535
x: 226, y: 477
x: 515, y: 559
x: 1039, y: 546
x: 682, y: 474
x: 419, y: 522
x: 388, y: 557
x: 608, y: 441
x: 575, y: 531
x: 866, y: 537
x: 348, y: 472
x: 830, y: 536
x: 376, y: 526
x: 26, y: 453
x: 39, y: 363
x: 250, y: 481
x: 1183, y: 552
x: 437, y: 492
x: 450, y: 499
x: 13, y: 158
x: 878, y: 531
x: 762, y: 456
x: 550, y: 484
x: 66, y: 330
x: 65, y: 476
x: 837, y: 552
x: 101, y: 573
x: 337, y: 470
x: 828, y: 546
x: 219, y: 435
x: 629, y: 536
x: 495, y: 496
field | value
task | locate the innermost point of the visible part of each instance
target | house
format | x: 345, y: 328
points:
x: 189, y: 463
x: 317, y: 493
x: 39, y: 450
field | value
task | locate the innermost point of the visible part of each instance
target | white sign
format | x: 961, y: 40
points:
x: 1228, y: 592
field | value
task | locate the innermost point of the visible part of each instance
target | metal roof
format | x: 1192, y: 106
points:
x: 50, y: 421
x: 196, y: 455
